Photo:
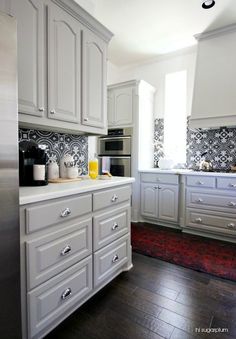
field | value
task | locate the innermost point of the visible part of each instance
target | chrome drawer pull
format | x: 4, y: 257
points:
x: 66, y: 294
x: 232, y: 204
x: 198, y: 220
x: 199, y: 200
x: 65, y: 213
x: 114, y: 198
x: 115, y: 226
x: 115, y: 258
x: 231, y: 225
x: 66, y: 250
x: 200, y: 182
x: 232, y: 185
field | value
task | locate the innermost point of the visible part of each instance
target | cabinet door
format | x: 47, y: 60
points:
x: 168, y: 202
x: 31, y: 50
x: 124, y: 105
x: 149, y: 194
x: 94, y: 106
x: 110, y: 108
x: 64, y: 46
x: 5, y: 6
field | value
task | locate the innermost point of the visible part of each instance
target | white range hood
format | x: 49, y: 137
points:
x: 214, y: 96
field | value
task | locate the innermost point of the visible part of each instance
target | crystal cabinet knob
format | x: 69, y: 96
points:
x: 232, y: 204
x: 232, y: 185
x: 115, y: 258
x: 85, y: 119
x: 231, y: 225
x: 198, y: 220
x: 200, y: 182
x: 114, y: 198
x: 66, y: 250
x: 66, y: 293
x: 199, y: 200
x: 41, y: 109
x: 115, y: 226
x: 65, y: 213
x: 52, y: 111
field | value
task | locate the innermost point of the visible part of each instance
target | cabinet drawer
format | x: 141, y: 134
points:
x: 110, y: 226
x: 199, y: 198
x: 201, y: 181
x: 212, y: 222
x: 52, y: 254
x: 109, y: 259
x: 54, y: 298
x: 227, y: 183
x: 51, y: 213
x: 160, y: 178
x: 111, y: 197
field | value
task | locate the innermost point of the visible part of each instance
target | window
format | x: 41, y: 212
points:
x: 175, y: 120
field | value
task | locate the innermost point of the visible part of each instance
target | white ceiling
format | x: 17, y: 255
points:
x: 145, y: 29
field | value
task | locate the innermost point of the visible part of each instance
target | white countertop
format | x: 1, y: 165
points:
x: 35, y: 194
x: 188, y: 172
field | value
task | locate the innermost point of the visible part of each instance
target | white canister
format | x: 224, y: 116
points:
x: 66, y: 158
x: 39, y: 172
x: 53, y: 170
x: 72, y: 172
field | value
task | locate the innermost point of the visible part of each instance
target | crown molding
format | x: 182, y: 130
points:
x: 85, y: 18
x: 215, y: 32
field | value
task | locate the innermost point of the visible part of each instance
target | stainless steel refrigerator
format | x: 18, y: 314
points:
x: 10, y: 314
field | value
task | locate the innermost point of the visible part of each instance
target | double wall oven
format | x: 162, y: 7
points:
x: 115, y: 152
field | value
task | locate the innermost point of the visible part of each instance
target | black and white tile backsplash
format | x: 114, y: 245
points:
x: 219, y: 143
x: 59, y: 144
x: 158, y: 140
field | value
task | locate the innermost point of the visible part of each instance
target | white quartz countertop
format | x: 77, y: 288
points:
x: 35, y: 194
x: 188, y: 172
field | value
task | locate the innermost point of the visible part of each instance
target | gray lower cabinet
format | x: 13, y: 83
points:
x: 70, y: 248
x: 52, y: 299
x: 159, y: 200
x: 211, y: 205
x: 61, y: 66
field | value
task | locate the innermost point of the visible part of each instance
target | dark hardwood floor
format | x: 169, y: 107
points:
x: 155, y: 300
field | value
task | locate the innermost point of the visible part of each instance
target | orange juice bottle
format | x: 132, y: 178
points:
x: 93, y: 167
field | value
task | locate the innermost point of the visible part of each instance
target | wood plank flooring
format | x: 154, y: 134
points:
x: 155, y: 300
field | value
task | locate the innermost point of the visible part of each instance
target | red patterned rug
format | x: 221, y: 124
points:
x: 199, y: 253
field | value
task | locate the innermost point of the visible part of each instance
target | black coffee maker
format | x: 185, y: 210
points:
x: 32, y: 164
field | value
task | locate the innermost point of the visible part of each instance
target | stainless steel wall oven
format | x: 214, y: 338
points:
x: 115, y: 152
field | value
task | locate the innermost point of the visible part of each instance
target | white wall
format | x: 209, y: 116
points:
x: 154, y: 73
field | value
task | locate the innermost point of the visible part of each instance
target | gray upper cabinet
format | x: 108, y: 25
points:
x: 31, y: 55
x: 64, y: 66
x: 61, y: 66
x: 121, y: 104
x: 94, y: 80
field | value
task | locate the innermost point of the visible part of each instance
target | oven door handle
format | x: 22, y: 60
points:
x: 114, y: 157
x: 114, y: 138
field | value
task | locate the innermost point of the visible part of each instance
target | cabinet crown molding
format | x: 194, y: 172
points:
x: 85, y: 18
x: 215, y: 32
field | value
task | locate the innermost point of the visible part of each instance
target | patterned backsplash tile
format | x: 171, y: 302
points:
x: 219, y: 143
x: 158, y: 140
x: 58, y: 144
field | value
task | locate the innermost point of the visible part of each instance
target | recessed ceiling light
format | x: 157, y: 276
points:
x: 208, y: 4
